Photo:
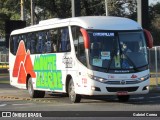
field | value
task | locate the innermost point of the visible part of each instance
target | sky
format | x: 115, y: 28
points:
x: 153, y: 1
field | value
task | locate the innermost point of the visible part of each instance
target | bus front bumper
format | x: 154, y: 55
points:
x: 98, y: 88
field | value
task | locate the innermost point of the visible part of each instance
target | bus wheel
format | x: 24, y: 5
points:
x: 74, y: 98
x: 123, y: 98
x: 34, y: 93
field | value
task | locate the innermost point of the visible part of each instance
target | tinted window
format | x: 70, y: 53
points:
x: 48, y: 41
x: 64, y: 43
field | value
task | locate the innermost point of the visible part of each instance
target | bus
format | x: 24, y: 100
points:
x: 91, y: 55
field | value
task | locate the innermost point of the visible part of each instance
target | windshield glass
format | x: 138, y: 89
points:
x: 117, y: 50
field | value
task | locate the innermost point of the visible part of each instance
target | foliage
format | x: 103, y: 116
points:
x: 155, y: 23
x: 53, y: 8
x: 92, y: 8
x: 9, y: 10
x: 115, y: 8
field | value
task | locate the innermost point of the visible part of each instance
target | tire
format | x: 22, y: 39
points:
x: 123, y: 98
x: 74, y: 98
x: 34, y: 93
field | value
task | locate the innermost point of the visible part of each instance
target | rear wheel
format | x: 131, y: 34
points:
x: 74, y: 98
x: 34, y: 93
x: 123, y: 98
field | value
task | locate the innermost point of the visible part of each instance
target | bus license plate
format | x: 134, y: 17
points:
x: 122, y: 93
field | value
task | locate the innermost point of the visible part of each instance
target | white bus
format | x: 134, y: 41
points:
x: 94, y: 55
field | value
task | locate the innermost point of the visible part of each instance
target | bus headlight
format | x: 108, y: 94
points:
x: 144, y: 78
x: 99, y: 79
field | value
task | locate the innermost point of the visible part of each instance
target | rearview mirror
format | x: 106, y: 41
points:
x: 149, y: 38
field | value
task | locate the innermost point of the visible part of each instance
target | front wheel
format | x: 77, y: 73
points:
x: 123, y: 98
x: 74, y: 98
x: 34, y: 93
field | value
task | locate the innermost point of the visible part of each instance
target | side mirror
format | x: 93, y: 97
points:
x: 149, y: 38
x: 85, y: 37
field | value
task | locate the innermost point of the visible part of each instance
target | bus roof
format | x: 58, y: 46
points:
x: 87, y: 22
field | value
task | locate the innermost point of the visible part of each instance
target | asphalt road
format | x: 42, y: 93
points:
x: 13, y: 99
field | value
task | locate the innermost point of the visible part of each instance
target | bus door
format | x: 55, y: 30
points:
x: 80, y: 52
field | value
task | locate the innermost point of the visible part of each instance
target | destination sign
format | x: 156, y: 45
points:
x: 103, y: 34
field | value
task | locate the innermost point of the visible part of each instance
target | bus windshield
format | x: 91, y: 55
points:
x: 117, y: 50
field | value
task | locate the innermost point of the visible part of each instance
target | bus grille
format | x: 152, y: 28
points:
x: 116, y: 89
x: 119, y: 82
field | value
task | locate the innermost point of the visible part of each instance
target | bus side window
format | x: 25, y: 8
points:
x: 11, y: 44
x: 33, y: 42
x: 14, y: 44
x: 54, y: 39
x: 24, y: 39
x: 18, y: 41
x: 28, y: 41
x: 41, y: 42
x: 64, y: 43
x: 48, y: 42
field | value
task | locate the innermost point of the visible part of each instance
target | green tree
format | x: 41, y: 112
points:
x: 10, y: 10
x: 92, y: 8
x: 52, y: 9
x: 123, y: 8
x: 130, y: 7
x: 115, y: 8
x: 155, y: 22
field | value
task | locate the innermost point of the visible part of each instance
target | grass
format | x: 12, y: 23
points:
x: 153, y: 82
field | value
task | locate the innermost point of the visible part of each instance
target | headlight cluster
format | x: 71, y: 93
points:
x: 103, y: 80
x: 144, y: 78
x: 99, y: 79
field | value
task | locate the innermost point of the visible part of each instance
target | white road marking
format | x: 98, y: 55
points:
x: 2, y: 105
